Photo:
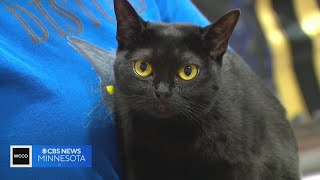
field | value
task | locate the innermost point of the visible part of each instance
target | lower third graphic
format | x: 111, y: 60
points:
x: 51, y: 156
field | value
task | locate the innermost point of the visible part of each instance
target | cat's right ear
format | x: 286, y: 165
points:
x: 217, y: 35
x: 129, y: 24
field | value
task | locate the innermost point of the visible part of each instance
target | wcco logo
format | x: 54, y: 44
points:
x: 20, y: 156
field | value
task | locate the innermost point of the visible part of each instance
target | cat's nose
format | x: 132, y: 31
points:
x: 162, y: 95
x: 162, y: 91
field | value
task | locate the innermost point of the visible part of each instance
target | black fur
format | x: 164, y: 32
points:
x: 224, y: 124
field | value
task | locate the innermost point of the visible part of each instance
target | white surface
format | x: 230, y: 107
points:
x: 312, y: 177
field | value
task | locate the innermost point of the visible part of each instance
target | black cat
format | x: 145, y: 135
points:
x: 189, y: 109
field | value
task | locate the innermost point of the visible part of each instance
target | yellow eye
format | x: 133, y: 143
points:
x: 188, y: 72
x: 142, y: 68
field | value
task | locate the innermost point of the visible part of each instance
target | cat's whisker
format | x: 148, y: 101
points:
x: 193, y: 119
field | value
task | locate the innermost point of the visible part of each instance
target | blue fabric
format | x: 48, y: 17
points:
x: 50, y: 91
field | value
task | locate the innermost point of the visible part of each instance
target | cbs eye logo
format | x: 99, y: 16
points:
x: 20, y: 156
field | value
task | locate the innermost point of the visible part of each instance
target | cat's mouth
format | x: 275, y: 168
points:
x: 160, y: 110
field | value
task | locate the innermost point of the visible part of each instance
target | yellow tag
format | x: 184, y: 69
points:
x: 110, y: 89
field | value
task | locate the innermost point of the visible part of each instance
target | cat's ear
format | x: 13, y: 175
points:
x: 129, y: 24
x: 217, y: 35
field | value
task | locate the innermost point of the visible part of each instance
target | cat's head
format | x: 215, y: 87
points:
x: 167, y: 69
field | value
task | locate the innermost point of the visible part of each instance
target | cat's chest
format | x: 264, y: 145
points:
x: 152, y: 136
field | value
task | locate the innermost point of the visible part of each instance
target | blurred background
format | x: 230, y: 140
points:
x: 280, y: 40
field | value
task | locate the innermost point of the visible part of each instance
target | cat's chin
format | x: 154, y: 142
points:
x: 159, y: 111
x: 161, y: 115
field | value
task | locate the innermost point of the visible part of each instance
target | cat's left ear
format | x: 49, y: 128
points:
x: 217, y: 35
x: 129, y: 24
